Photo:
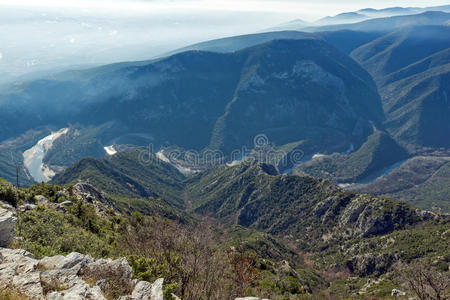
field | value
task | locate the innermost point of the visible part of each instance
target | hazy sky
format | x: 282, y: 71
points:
x: 307, y: 9
x: 37, y: 35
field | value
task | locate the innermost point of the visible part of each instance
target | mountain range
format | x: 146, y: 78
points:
x: 246, y: 89
x: 359, y: 16
x: 283, y: 165
x: 373, y: 87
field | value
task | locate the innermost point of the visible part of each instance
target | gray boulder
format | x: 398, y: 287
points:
x: 142, y: 291
x: 7, y: 226
x: 79, y: 291
x: 65, y: 262
x: 64, y: 277
x: 28, y: 284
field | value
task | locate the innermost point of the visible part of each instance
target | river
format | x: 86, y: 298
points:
x: 33, y: 157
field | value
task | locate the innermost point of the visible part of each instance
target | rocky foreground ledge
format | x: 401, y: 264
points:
x: 75, y: 276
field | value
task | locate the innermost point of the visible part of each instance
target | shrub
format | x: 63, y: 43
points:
x: 8, y: 193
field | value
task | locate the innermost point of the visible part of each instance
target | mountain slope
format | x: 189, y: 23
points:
x: 11, y: 156
x: 377, y: 153
x: 348, y: 40
x: 389, y: 24
x: 422, y: 181
x: 256, y: 196
x: 411, y: 68
x: 307, y: 88
x: 134, y: 174
x: 343, y: 18
x: 286, y: 89
x: 400, y: 49
x: 363, y: 234
x: 236, y: 43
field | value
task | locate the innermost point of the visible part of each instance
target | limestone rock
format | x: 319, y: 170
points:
x: 80, y: 291
x: 157, y: 290
x: 28, y: 284
x: 146, y: 291
x: 65, y: 262
x: 41, y: 200
x: 63, y: 277
x: 397, y: 293
x: 26, y: 207
x: 89, y: 194
x: 142, y: 291
x: 7, y: 226
x: 7, y: 273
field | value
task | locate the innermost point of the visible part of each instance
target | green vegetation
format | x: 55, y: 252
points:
x: 422, y: 181
x: 270, y: 235
x: 413, y: 83
x: 189, y: 256
x: 133, y: 174
x: 11, y: 155
x: 78, y: 143
x: 47, y: 232
x: 377, y: 153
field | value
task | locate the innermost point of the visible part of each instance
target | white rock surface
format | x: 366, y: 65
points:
x: 80, y: 291
x: 21, y: 272
x: 142, y: 291
x: 157, y: 290
x: 28, y: 284
x: 7, y: 226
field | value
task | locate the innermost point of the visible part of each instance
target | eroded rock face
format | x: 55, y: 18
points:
x: 71, y: 277
x: 7, y: 226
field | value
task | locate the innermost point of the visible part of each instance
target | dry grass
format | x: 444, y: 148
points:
x: 114, y: 285
x: 7, y: 294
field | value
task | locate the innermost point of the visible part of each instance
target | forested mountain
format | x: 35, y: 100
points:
x: 411, y: 69
x: 287, y: 89
x: 280, y: 165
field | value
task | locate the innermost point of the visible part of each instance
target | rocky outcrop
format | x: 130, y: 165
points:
x: 82, y: 191
x: 75, y: 276
x: 41, y: 200
x: 7, y: 226
x: 371, y: 264
x: 89, y: 194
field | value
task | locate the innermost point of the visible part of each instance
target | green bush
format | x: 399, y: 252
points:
x: 47, y: 232
x: 8, y: 193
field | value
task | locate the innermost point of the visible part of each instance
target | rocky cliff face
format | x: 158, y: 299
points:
x: 308, y: 209
x: 75, y: 276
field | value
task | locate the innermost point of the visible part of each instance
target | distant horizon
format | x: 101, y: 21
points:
x: 59, y: 34
x: 298, y: 9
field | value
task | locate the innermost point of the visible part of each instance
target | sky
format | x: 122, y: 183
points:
x: 307, y: 9
x: 40, y: 35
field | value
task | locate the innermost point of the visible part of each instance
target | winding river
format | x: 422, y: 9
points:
x: 33, y: 157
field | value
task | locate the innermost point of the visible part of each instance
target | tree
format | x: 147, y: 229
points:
x: 425, y: 281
